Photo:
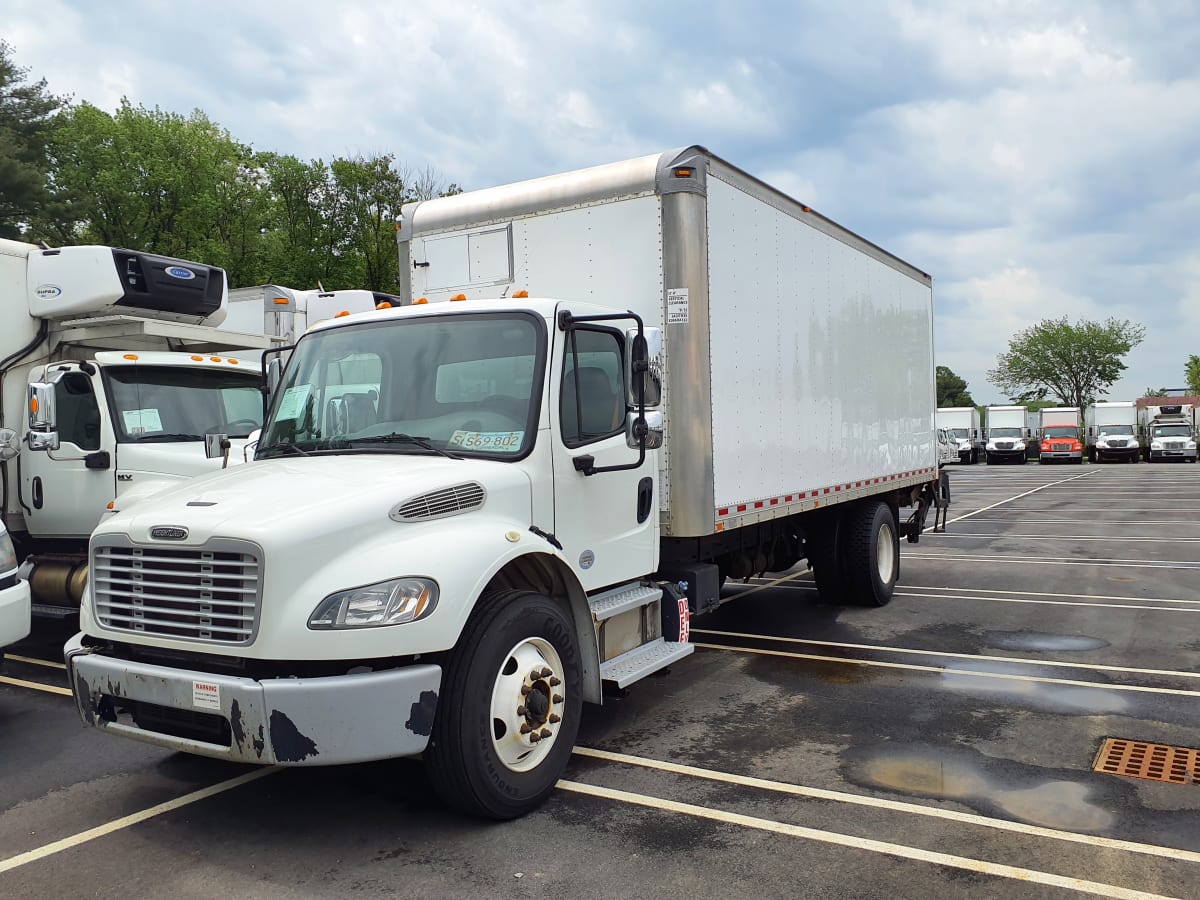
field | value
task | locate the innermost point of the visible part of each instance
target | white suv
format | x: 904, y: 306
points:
x: 14, y: 595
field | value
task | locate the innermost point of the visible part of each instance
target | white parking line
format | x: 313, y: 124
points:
x: 909, y: 651
x: 1011, y: 499
x: 1029, y: 876
x: 1074, y: 537
x: 946, y: 670
x: 1182, y: 564
x: 108, y: 828
x: 935, y: 812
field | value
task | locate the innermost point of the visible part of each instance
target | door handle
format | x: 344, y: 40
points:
x: 645, y: 499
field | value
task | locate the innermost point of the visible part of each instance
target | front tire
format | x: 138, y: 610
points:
x: 509, y: 708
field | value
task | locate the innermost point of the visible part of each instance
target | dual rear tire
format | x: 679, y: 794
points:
x: 855, y: 555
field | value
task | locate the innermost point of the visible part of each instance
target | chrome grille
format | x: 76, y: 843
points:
x: 1172, y: 445
x: 444, y: 502
x: 1058, y: 448
x: 1121, y: 443
x: 1004, y: 445
x: 208, y: 593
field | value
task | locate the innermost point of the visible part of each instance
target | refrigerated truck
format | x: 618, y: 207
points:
x: 1060, y: 438
x: 707, y: 379
x: 111, y: 372
x: 1168, y: 432
x: 1112, y: 431
x: 962, y: 424
x: 1009, y: 438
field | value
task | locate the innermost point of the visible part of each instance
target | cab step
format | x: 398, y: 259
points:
x: 647, y: 659
x: 612, y: 603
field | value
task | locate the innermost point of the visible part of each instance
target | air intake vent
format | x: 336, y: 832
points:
x: 441, y: 503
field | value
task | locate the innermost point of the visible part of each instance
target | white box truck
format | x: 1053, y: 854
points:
x: 14, y: 596
x: 1112, y: 431
x: 464, y: 519
x: 286, y: 313
x: 110, y: 376
x: 1009, y: 439
x: 962, y: 424
x: 1168, y: 432
x: 1060, y: 438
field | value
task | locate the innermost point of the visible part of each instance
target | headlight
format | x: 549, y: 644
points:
x: 1156, y: 445
x: 1190, y: 445
x: 386, y: 603
x: 8, y: 555
x: 1019, y: 445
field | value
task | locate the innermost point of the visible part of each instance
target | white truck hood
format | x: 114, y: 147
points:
x: 297, y: 498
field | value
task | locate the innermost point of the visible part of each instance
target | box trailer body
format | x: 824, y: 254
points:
x: 110, y: 372
x: 1168, y: 432
x: 1060, y: 437
x: 963, y: 425
x: 515, y: 500
x: 1112, y: 431
x: 286, y: 313
x: 1009, y: 437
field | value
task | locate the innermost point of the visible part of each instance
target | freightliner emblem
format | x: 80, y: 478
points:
x: 168, y: 533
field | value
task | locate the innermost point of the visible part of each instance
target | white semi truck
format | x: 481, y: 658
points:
x: 464, y: 519
x: 1168, y: 432
x: 1112, y: 431
x: 110, y: 376
x: 1060, y: 438
x: 962, y: 424
x: 1009, y: 438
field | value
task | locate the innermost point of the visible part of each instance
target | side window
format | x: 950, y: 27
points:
x: 591, y: 406
x: 77, y: 410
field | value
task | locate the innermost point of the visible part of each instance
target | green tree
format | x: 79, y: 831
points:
x: 1155, y: 392
x: 1075, y: 363
x: 1191, y: 373
x: 27, y: 115
x: 951, y: 389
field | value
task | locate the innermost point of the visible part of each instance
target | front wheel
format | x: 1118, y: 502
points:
x: 509, y: 709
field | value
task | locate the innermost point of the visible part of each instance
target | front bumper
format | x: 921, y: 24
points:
x: 285, y: 721
x: 1047, y: 455
x: 14, y: 612
x: 1157, y: 455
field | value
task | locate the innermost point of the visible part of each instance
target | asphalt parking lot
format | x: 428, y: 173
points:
x: 940, y: 746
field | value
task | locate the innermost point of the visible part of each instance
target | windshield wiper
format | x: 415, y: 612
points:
x: 178, y: 436
x: 397, y: 438
x: 283, y: 445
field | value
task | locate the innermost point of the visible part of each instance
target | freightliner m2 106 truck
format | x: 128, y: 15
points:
x: 464, y: 519
x: 1112, y: 431
x: 1008, y: 437
x: 962, y: 424
x: 1168, y: 432
x: 1059, y: 431
x: 110, y: 376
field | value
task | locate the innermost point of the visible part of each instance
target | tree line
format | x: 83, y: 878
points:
x: 183, y: 186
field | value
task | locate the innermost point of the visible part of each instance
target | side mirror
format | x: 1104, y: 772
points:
x: 251, y: 446
x: 43, y: 434
x: 651, y: 427
x: 10, y: 444
x: 217, y: 445
x: 274, y: 375
x: 644, y: 364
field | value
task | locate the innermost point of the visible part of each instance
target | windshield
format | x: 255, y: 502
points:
x: 959, y: 433
x: 1060, y: 431
x: 167, y: 404
x: 1116, y: 429
x: 1005, y: 433
x: 1171, y: 431
x: 451, y: 384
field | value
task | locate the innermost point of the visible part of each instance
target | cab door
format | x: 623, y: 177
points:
x: 607, y: 522
x: 64, y: 492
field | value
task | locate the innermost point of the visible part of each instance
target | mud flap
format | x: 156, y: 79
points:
x: 931, y: 497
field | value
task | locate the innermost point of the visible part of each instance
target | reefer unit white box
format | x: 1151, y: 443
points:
x: 799, y: 356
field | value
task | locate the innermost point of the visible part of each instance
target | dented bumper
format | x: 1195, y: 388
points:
x: 285, y: 721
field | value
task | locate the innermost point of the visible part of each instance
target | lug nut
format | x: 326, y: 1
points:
x: 526, y: 728
x: 546, y: 671
x: 525, y: 689
x: 535, y: 675
x: 534, y: 738
x: 522, y: 711
x: 558, y: 698
x: 555, y: 682
x: 545, y: 733
x: 554, y: 718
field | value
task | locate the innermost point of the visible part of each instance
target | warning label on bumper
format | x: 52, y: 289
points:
x: 206, y: 695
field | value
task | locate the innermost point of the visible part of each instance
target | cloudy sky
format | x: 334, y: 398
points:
x: 1040, y: 158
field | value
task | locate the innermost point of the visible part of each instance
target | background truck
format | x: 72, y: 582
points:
x: 962, y: 424
x: 1059, y: 432
x: 1168, y: 432
x: 1009, y: 438
x: 947, y: 448
x: 464, y: 519
x: 1112, y: 431
x: 14, y: 596
x: 286, y: 313
x: 110, y: 376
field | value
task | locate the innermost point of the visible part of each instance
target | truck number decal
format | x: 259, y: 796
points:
x: 503, y: 441
x: 206, y: 695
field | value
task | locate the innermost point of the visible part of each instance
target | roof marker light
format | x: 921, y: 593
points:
x: 344, y: 312
x: 684, y: 172
x: 383, y: 304
x: 520, y: 294
x: 130, y: 356
x: 458, y: 297
x: 215, y: 358
x: 197, y: 359
x: 232, y: 362
x: 280, y: 301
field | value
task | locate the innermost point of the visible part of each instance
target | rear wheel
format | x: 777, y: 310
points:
x: 821, y: 545
x: 871, y: 554
x: 509, y: 709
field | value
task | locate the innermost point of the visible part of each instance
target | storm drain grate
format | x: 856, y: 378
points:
x: 1156, y: 762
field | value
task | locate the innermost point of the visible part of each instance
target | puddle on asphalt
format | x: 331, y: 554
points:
x: 1033, y: 641
x: 1048, y: 696
x: 952, y: 774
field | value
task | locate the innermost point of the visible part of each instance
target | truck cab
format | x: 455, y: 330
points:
x: 1009, y: 439
x: 1060, y: 433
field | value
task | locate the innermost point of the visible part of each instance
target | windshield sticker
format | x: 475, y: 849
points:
x: 294, y: 402
x: 500, y: 441
x: 142, y: 421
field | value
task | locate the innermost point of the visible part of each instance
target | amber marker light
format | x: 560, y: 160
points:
x: 383, y: 304
x: 458, y: 297
x: 684, y: 171
x: 280, y: 301
x: 130, y: 356
x: 232, y: 362
x: 197, y: 359
x: 420, y: 301
x: 519, y: 295
x: 215, y: 358
x: 344, y: 312
x: 33, y: 404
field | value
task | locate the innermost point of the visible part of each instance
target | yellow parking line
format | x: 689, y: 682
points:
x: 132, y: 819
x: 33, y: 661
x: 48, y: 688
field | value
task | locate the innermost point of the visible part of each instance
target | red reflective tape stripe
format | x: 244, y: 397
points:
x: 723, y: 512
x: 758, y: 505
x: 741, y: 507
x: 774, y: 501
